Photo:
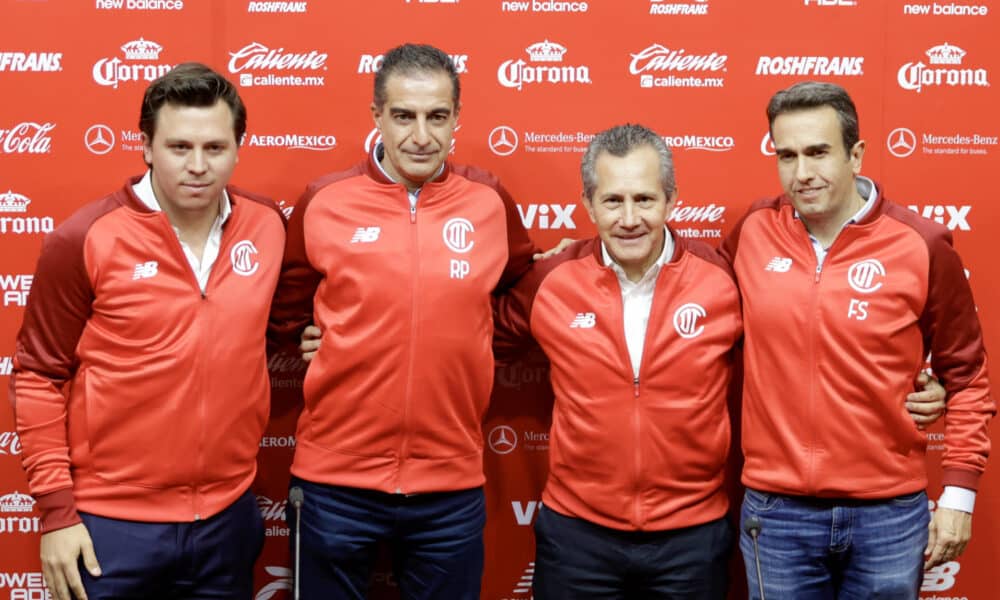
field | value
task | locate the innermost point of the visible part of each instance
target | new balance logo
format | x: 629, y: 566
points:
x: 523, y: 585
x: 584, y: 321
x: 6, y: 365
x: 779, y: 264
x: 145, y: 270
x: 366, y: 235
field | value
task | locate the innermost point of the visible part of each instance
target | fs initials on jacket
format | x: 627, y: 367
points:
x: 632, y: 453
x: 831, y: 353
x: 136, y: 396
x: 395, y: 397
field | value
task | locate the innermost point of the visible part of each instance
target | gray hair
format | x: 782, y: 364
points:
x: 814, y: 94
x: 620, y: 141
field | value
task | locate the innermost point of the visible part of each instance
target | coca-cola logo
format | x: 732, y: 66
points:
x: 660, y: 58
x: 27, y: 138
x: 258, y: 57
x: 10, y: 444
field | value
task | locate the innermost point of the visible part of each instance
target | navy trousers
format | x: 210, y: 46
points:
x: 436, y: 541
x: 212, y: 558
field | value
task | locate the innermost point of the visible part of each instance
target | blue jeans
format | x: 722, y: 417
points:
x: 813, y: 548
x: 577, y: 559
x: 212, y: 558
x: 436, y: 541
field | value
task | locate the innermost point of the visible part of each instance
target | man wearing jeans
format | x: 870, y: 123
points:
x: 844, y: 295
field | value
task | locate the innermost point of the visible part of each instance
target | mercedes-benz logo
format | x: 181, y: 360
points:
x: 99, y: 139
x: 901, y: 142
x: 502, y: 439
x: 503, y: 140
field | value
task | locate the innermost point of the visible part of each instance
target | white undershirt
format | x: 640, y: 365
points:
x: 637, y: 299
x: 200, y: 265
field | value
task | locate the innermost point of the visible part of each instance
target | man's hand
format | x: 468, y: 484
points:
x: 562, y: 245
x: 60, y: 551
x: 928, y: 405
x: 950, y: 531
x: 309, y: 344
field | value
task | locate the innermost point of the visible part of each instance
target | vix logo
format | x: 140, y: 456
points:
x: 561, y: 216
x: 524, y: 512
x: 686, y: 320
x: 958, y: 216
x: 584, y: 321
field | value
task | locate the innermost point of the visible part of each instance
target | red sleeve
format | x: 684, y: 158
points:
x: 520, y: 248
x: 292, y: 305
x: 59, y: 307
x: 512, y: 309
x: 731, y: 243
x: 953, y: 336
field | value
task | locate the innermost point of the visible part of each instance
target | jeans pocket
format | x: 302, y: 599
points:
x: 759, y: 502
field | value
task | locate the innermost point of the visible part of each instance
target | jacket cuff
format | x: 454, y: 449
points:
x: 961, y: 478
x: 58, y: 509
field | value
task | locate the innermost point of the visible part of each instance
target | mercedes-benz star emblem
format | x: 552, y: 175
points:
x: 901, y: 142
x: 502, y: 439
x: 99, y: 139
x: 503, y: 140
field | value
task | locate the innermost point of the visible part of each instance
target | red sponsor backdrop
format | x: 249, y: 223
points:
x: 539, y: 77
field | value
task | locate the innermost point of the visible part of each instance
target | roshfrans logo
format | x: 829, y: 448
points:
x: 27, y: 137
x: 678, y: 7
x: 370, y: 63
x: 277, y: 7
x: 138, y: 54
x: 30, y: 62
x: 943, y: 59
x: 655, y: 61
x: 821, y: 66
x: 516, y: 73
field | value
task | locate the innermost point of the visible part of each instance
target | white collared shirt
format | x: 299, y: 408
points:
x: 637, y: 299
x: 200, y: 265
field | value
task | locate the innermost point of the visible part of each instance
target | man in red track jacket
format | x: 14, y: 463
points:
x: 144, y: 306
x: 844, y: 295
x: 639, y: 326
x: 396, y: 260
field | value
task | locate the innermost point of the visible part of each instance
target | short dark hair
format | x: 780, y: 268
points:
x: 414, y: 58
x: 191, y: 84
x: 814, y: 94
x: 620, y: 141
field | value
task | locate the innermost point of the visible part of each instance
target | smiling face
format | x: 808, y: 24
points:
x: 417, y: 122
x: 192, y: 156
x: 629, y: 208
x: 817, y: 172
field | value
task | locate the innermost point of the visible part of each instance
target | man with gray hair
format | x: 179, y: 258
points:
x: 396, y: 260
x: 844, y: 296
x: 639, y: 325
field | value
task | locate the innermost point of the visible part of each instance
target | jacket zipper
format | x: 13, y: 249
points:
x: 414, y: 291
